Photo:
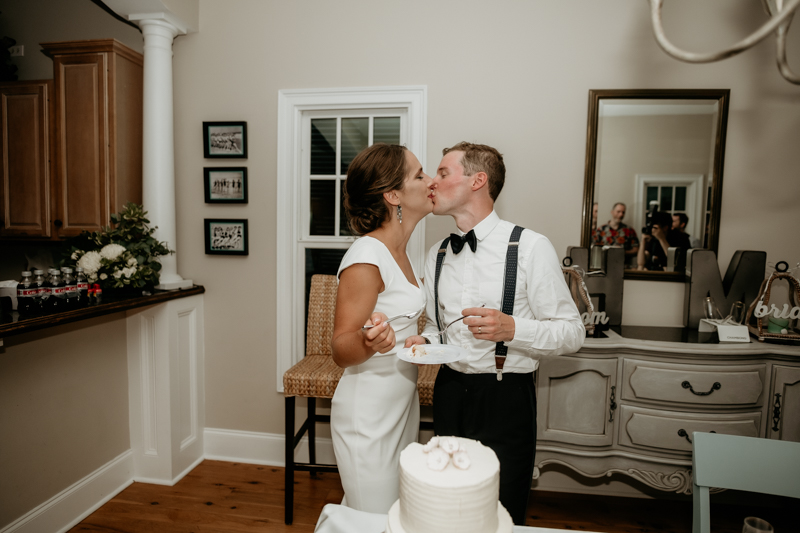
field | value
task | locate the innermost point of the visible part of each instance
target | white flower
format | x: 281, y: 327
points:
x: 128, y: 271
x: 118, y: 274
x: 90, y: 262
x: 132, y: 261
x: 112, y: 251
x: 93, y: 277
x: 102, y: 276
x: 74, y: 256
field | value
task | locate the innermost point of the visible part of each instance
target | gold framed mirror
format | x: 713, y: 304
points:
x: 652, y: 153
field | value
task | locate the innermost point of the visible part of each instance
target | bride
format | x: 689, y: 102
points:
x: 375, y: 409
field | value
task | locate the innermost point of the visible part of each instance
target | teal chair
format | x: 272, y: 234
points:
x: 740, y: 463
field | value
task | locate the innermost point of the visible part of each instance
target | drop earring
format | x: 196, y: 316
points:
x: 400, y: 213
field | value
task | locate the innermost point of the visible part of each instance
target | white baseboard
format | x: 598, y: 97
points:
x: 268, y: 449
x: 260, y: 448
x: 158, y: 481
x: 64, y: 510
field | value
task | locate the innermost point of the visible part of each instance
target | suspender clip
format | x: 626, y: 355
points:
x: 499, y: 374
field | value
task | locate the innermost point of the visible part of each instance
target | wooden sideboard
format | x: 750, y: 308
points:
x: 628, y: 406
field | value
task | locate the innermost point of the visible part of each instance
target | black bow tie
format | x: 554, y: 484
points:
x: 457, y: 241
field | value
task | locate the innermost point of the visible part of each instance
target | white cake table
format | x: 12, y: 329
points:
x: 341, y: 519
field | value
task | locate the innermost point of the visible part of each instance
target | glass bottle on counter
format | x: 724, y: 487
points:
x: 83, y: 287
x: 71, y: 289
x: 41, y: 288
x: 26, y: 295
x: 56, y: 303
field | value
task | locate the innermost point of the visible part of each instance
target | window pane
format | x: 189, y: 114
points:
x: 344, y: 229
x: 323, y: 146
x: 680, y: 198
x: 323, y: 206
x: 652, y: 195
x: 386, y: 130
x: 355, y: 136
x: 666, y: 199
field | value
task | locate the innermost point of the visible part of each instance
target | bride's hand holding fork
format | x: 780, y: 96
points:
x: 379, y: 338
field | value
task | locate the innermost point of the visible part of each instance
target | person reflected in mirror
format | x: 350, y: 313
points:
x: 594, y: 217
x: 679, y: 222
x: 489, y: 395
x: 657, y: 241
x: 617, y: 233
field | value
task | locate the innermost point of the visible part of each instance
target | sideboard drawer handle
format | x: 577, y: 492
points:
x: 715, y: 386
x: 682, y: 433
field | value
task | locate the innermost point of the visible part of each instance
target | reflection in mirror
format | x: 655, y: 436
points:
x: 654, y: 176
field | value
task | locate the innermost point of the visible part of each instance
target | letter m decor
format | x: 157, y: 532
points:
x: 742, y: 281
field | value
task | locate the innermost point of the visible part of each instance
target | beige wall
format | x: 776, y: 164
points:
x: 512, y: 74
x: 63, y: 409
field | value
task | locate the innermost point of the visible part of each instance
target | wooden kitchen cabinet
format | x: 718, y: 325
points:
x: 98, y: 132
x: 26, y: 141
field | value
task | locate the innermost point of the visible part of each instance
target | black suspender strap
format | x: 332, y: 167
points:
x: 509, y: 289
x: 439, y: 261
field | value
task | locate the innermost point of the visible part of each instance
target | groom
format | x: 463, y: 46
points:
x: 489, y: 396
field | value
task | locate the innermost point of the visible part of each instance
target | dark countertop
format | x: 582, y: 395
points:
x: 13, y: 324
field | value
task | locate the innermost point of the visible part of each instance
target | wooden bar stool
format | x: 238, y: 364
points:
x: 316, y: 376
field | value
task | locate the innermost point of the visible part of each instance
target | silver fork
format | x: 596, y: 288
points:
x: 437, y: 333
x: 414, y: 314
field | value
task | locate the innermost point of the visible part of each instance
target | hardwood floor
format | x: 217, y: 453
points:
x: 219, y: 497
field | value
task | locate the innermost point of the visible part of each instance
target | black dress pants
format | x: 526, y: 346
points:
x: 499, y: 414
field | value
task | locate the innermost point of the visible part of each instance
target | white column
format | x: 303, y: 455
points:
x: 158, y: 154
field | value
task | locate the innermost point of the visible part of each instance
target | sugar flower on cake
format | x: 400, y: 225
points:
x: 438, y: 459
x: 449, y: 444
x: 442, y: 450
x: 433, y: 443
x: 461, y: 459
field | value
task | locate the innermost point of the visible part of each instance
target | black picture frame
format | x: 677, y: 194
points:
x: 225, y: 185
x: 226, y: 236
x: 225, y: 140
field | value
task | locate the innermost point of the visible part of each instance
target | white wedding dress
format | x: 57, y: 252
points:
x: 375, y: 409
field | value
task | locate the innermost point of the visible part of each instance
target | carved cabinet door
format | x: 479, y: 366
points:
x: 577, y: 400
x: 784, y: 412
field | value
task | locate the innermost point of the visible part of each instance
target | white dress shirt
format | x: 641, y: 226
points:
x: 546, y: 319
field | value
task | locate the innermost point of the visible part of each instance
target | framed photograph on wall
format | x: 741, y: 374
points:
x: 225, y: 185
x: 226, y: 236
x: 225, y: 140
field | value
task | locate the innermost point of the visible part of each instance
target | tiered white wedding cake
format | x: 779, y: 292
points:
x: 449, y: 486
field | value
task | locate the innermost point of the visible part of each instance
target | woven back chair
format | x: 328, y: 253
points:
x: 316, y: 376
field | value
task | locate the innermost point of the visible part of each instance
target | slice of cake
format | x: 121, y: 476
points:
x: 449, y: 486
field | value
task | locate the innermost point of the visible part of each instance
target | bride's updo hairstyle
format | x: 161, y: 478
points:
x: 378, y: 169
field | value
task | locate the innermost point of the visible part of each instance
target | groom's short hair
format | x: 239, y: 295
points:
x: 482, y: 158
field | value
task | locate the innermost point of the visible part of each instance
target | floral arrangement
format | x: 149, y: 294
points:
x: 123, y: 255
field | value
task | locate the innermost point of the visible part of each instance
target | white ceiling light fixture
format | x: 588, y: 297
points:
x: 781, y: 17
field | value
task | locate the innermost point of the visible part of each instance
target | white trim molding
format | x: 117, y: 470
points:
x: 67, y: 508
x: 260, y: 448
x: 165, y: 389
x: 292, y: 103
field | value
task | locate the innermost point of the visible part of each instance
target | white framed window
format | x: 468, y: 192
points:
x: 675, y: 193
x: 319, y: 133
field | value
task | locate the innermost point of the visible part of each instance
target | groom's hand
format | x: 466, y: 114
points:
x: 489, y: 324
